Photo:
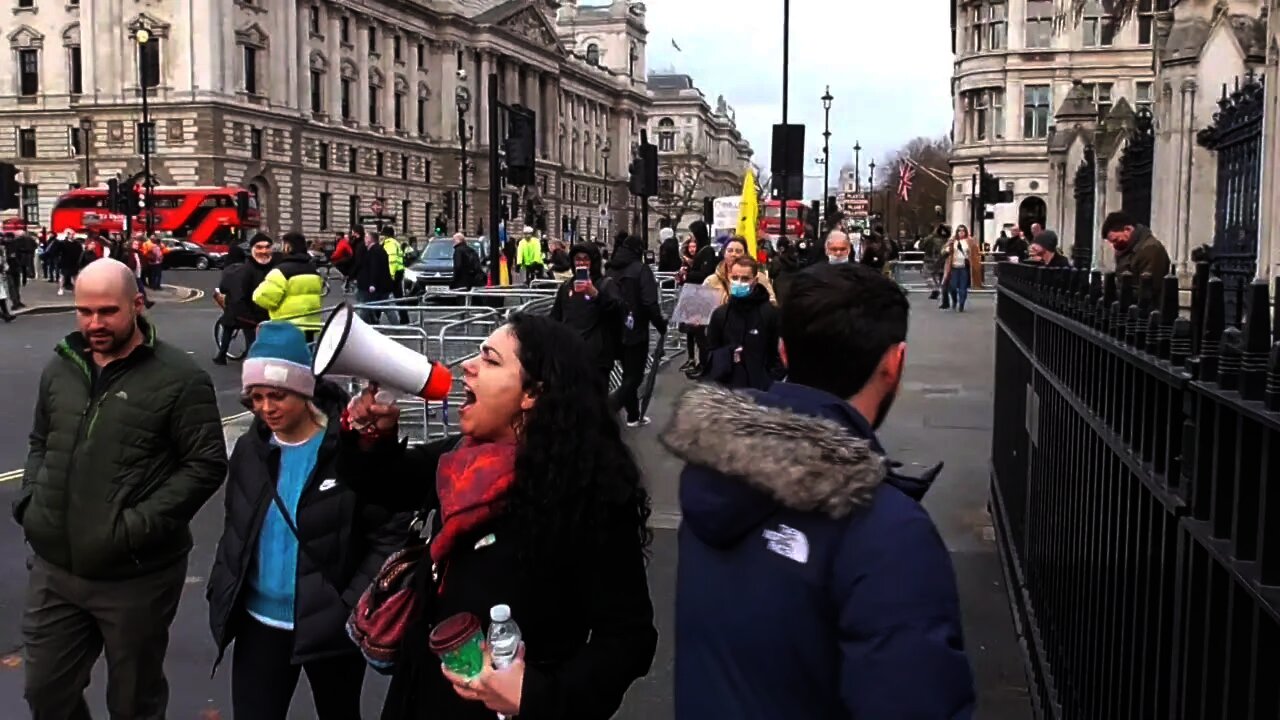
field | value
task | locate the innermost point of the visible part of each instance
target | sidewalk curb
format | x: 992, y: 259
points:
x: 185, y: 295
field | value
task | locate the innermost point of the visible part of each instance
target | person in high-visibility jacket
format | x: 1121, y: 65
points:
x: 395, y: 263
x: 529, y: 256
x: 293, y: 290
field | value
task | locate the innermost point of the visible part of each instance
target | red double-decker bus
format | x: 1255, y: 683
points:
x: 770, y: 223
x: 203, y: 215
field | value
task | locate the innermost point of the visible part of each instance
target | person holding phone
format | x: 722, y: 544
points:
x: 592, y: 305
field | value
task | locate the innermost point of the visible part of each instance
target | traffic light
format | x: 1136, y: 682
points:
x: 644, y: 171
x: 242, y: 205
x: 113, y: 195
x: 440, y: 225
x: 131, y: 199
x: 9, y: 187
x: 520, y: 145
x: 448, y: 204
x: 989, y: 191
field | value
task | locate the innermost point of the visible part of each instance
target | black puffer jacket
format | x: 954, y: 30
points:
x: 640, y: 291
x: 749, y: 323
x: 350, y: 537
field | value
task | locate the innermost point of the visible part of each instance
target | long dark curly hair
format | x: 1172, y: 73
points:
x: 575, y: 478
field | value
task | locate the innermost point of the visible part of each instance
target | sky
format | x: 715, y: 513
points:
x: 888, y: 64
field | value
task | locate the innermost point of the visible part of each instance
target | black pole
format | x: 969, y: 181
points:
x: 146, y: 143
x: 973, y: 200
x: 826, y: 159
x: 462, y: 138
x: 980, y: 219
x: 786, y: 62
x: 85, y: 129
x: 495, y: 246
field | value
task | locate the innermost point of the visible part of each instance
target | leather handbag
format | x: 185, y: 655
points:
x: 389, y: 606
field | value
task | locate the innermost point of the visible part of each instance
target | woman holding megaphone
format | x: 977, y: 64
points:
x: 537, y: 506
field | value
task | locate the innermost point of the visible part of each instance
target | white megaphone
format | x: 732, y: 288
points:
x: 348, y: 346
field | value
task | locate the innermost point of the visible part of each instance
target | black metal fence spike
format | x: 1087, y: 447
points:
x: 1120, y: 310
x: 1180, y: 342
x: 1199, y: 286
x: 1214, y: 323
x: 1229, y: 350
x: 1150, y: 340
x: 1272, y: 396
x: 1146, y: 292
x: 1104, y: 304
x: 1168, y: 312
x: 1275, y: 317
x: 1132, y: 318
x: 1256, y: 341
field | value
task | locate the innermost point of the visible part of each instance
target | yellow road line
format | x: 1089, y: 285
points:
x: 17, y: 474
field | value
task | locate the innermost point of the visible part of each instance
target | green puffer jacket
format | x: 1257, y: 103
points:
x: 120, y: 463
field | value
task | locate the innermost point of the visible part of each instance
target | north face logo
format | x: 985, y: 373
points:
x: 789, y: 543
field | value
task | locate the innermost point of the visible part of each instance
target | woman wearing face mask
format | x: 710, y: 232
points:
x: 743, y: 334
x: 540, y: 507
x: 962, y: 263
x: 734, y: 248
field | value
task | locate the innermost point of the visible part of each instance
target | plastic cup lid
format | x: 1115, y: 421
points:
x: 450, y: 634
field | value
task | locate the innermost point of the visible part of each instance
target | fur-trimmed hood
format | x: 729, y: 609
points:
x: 794, y: 446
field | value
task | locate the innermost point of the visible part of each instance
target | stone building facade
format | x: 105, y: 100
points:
x: 320, y: 107
x: 1015, y: 64
x: 701, y: 152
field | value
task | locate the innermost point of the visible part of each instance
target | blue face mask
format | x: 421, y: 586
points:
x: 837, y: 259
x: 739, y: 289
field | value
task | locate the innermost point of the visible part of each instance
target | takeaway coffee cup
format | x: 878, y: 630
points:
x: 457, y: 642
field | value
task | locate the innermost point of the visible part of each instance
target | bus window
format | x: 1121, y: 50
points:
x: 79, y: 202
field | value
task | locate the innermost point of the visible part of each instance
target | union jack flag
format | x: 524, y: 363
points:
x: 906, y: 174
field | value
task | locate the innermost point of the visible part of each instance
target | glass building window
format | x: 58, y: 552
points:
x: 1039, y: 24
x: 1035, y: 112
x: 1098, y: 25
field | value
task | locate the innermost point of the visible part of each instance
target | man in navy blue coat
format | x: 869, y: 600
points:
x: 811, y: 582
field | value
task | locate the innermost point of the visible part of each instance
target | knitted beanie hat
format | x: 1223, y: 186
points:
x: 279, y: 358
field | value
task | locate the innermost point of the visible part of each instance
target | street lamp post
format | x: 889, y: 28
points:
x: 462, y: 99
x: 86, y: 143
x: 826, y: 156
x: 604, y: 217
x: 143, y: 36
x: 857, y: 167
x: 871, y: 192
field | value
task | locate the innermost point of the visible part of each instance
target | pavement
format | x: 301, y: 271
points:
x: 942, y: 414
x: 41, y: 296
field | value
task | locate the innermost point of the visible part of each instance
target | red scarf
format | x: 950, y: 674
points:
x: 471, y: 482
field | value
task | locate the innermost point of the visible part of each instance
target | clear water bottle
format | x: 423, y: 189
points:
x: 503, y: 640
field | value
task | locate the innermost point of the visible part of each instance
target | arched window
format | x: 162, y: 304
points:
x: 573, y: 151
x: 586, y: 152
x: 632, y: 60
x: 593, y: 54
x: 667, y: 135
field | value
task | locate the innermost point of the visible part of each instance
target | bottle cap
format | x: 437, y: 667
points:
x: 500, y: 613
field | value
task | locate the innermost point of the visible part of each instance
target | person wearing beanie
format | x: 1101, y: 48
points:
x: 293, y: 290
x: 668, y: 251
x: 297, y: 548
x: 1044, y: 251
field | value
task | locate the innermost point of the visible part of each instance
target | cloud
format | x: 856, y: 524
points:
x: 888, y: 63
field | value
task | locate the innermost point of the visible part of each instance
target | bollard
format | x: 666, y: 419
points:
x: 1257, y: 334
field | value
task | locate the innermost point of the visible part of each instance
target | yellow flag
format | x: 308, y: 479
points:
x: 749, y: 212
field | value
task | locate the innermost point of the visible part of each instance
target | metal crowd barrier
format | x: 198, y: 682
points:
x: 912, y: 270
x: 449, y: 325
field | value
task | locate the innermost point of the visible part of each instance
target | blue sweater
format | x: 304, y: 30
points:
x: 273, y: 577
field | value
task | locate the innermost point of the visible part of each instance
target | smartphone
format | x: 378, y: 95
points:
x: 581, y: 276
